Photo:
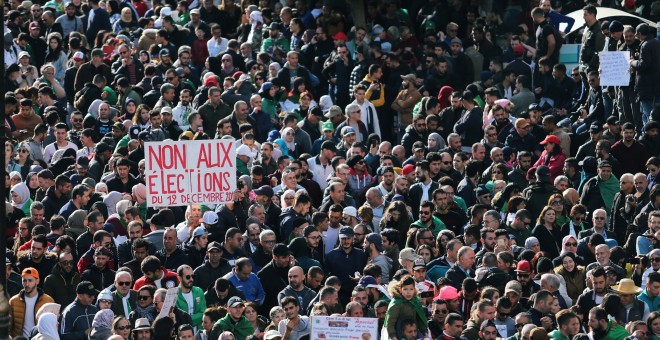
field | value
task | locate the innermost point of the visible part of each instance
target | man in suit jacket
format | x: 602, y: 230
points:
x: 461, y: 269
x: 423, y: 189
x: 124, y: 299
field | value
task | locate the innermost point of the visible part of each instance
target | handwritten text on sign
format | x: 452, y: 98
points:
x: 614, y: 68
x: 190, y: 172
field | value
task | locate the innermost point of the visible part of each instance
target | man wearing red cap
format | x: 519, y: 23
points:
x: 24, y: 305
x: 524, y: 276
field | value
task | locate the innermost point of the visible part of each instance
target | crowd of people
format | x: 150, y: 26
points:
x: 432, y: 164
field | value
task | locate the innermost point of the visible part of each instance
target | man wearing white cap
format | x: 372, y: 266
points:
x: 243, y: 159
x: 350, y: 217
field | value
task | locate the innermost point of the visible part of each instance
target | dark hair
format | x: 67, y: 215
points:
x: 150, y: 264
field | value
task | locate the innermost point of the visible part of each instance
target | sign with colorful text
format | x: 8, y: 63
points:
x: 339, y: 327
x: 190, y: 172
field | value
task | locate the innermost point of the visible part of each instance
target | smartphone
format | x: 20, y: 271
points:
x: 501, y: 242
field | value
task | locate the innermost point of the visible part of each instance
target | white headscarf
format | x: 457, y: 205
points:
x: 103, y: 318
x: 292, y: 145
x: 47, y: 325
x: 111, y: 200
x: 22, y: 190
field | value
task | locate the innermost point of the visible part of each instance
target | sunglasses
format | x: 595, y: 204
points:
x: 440, y: 311
x: 523, y: 275
x: 188, y: 277
x: 521, y: 324
x: 145, y: 297
x: 123, y: 328
x: 78, y: 120
x: 124, y: 283
x: 23, y: 151
x: 170, y: 78
x: 571, y: 244
x: 656, y: 259
x: 492, y: 135
x: 421, y: 212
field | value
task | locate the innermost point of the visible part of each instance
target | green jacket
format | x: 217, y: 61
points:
x: 200, y: 305
x: 615, y: 331
x: 242, y: 167
x: 270, y: 43
x: 556, y: 335
x: 241, y: 329
x: 438, y: 226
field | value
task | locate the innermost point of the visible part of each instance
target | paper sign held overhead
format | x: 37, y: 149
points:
x: 190, y: 172
x: 614, y: 68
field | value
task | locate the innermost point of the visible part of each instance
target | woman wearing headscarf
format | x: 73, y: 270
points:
x: 435, y: 142
x: 273, y: 69
x: 30, y: 181
x: 110, y: 201
x: 573, y: 274
x: 47, y: 327
x: 444, y: 97
x: 126, y: 21
x: 102, y: 325
x: 287, y: 143
x: 256, y: 21
x: 77, y: 223
x: 20, y: 198
x: 532, y: 243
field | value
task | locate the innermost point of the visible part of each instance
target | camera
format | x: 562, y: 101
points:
x: 239, y: 185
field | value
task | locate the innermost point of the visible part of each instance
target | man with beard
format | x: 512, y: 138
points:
x: 487, y: 243
x: 568, y: 325
x: 99, y: 272
x: 62, y: 281
x: 24, y: 305
x: 416, y: 132
x: 524, y: 276
x: 314, y: 238
x: 303, y: 179
x: 190, y: 298
x: 423, y: 189
x: 274, y: 276
x: 264, y: 251
x: 592, y: 297
x: 214, y: 267
x: 297, y: 289
x: 344, y: 261
x: 630, y: 152
x: 518, y: 175
x: 183, y: 109
x: 401, y: 187
x: 38, y: 259
x: 602, y: 327
x: 542, y: 308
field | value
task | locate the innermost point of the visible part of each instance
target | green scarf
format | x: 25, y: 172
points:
x: 608, y: 189
x: 415, y: 302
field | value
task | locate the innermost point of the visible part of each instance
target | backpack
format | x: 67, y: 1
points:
x: 79, y: 99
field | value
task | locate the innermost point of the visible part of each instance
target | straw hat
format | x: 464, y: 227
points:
x: 627, y: 286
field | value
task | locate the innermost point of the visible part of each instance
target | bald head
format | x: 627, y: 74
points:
x: 296, y: 276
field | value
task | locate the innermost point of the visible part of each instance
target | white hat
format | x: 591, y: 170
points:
x: 244, y: 150
x: 351, y: 211
x: 272, y: 334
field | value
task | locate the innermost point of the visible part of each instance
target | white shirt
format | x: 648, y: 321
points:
x: 330, y: 238
x: 320, y: 171
x: 425, y: 191
x: 364, y: 115
x: 216, y: 47
x: 29, y: 321
x: 189, y: 300
x: 85, y: 152
x: 180, y: 115
x: 50, y: 150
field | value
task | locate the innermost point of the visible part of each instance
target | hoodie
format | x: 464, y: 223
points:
x: 385, y: 264
x: 357, y: 182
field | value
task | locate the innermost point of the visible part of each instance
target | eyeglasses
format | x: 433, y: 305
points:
x: 145, y: 297
x: 358, y: 111
x: 105, y: 301
x: 571, y: 244
x: 123, y: 328
x: 440, y: 311
x: 656, y: 259
x: 289, y: 134
x: 23, y: 151
x: 124, y: 283
x: 255, y: 68
x: 188, y: 277
x: 170, y: 78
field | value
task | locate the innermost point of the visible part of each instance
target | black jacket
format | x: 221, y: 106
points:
x: 100, y: 278
x: 415, y: 195
x: 206, y: 275
x: 456, y: 275
x: 76, y: 319
x: 62, y: 287
x: 274, y: 280
x: 173, y: 261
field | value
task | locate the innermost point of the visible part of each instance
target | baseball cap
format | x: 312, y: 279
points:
x: 333, y: 112
x: 407, y: 169
x: 235, y: 301
x: 604, y: 164
x: 199, y: 231
x: 119, y: 125
x: 23, y: 54
x: 447, y: 293
x: 347, y: 130
x: 408, y: 254
x: 86, y: 287
x: 328, y: 126
x: 97, y: 52
x: 272, y: 334
x: 214, y: 245
x: 194, y: 11
x: 550, y: 139
x: 514, y: 287
x: 482, y: 190
x: 244, y: 150
x: 533, y: 107
x: 419, y: 263
x: 210, y: 218
x: 376, y: 240
x: 377, y: 29
x: 524, y: 267
x: 595, y: 128
x: 103, y: 251
x: 264, y: 190
x: 29, y: 271
x: 346, y: 232
x: 163, y: 52
x: 589, y: 162
x: 340, y: 36
x: 281, y: 250
x: 367, y: 281
x: 144, y: 136
x: 166, y: 109
x: 409, y: 77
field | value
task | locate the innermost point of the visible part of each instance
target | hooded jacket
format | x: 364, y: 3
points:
x: 402, y: 309
x: 240, y: 329
x: 17, y: 311
x: 62, y: 287
x: 358, y: 182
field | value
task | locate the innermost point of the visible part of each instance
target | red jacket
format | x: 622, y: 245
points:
x: 556, y: 164
x: 169, y: 280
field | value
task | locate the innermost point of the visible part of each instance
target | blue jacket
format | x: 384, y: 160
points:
x: 76, y: 319
x: 251, y: 288
x: 653, y: 303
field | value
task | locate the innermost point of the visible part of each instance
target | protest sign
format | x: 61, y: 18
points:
x: 168, y: 303
x: 190, y: 172
x: 337, y: 327
x: 614, y: 68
